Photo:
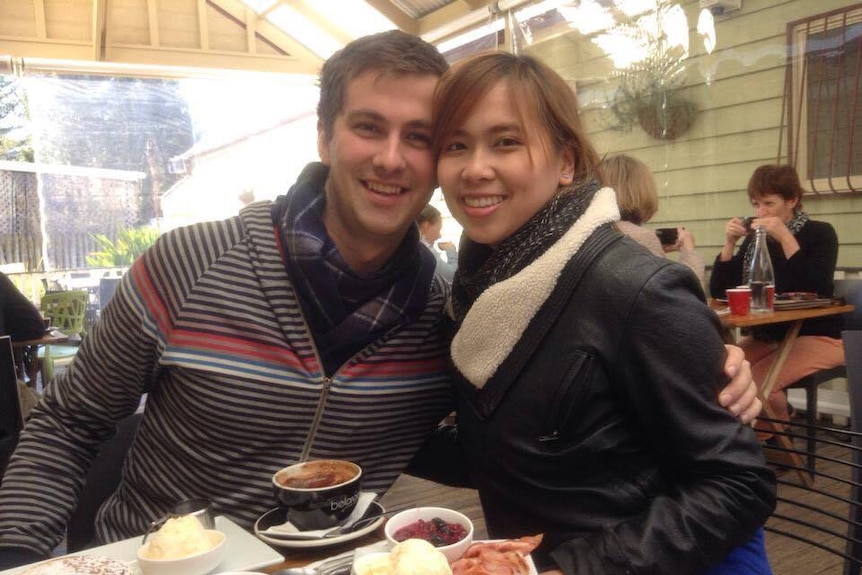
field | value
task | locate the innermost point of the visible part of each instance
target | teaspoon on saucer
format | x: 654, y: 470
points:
x: 362, y: 522
x: 374, y: 513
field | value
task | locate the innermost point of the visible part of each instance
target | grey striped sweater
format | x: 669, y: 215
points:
x: 208, y: 325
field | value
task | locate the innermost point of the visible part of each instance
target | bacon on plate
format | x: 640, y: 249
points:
x: 506, y: 557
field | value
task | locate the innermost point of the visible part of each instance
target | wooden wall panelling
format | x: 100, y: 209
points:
x: 702, y: 175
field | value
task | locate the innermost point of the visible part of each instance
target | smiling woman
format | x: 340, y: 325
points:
x: 548, y: 409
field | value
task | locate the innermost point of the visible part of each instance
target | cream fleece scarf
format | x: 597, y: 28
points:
x: 500, y: 315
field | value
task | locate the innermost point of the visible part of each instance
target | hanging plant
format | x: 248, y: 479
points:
x: 649, y: 90
x: 667, y: 116
x: 648, y: 95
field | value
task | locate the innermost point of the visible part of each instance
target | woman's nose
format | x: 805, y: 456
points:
x: 476, y: 167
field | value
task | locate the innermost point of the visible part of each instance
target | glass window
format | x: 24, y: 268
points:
x: 826, y: 101
x: 94, y: 166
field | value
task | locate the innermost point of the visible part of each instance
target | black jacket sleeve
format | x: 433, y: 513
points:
x: 719, y: 488
x: 20, y: 318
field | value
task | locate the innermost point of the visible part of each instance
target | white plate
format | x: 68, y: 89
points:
x: 315, y: 543
x: 244, y: 551
x: 384, y: 546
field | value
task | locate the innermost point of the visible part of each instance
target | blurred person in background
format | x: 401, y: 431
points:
x: 430, y: 223
x: 804, y: 254
x: 634, y: 184
x: 20, y: 318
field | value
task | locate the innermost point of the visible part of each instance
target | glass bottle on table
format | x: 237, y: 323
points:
x: 761, y: 277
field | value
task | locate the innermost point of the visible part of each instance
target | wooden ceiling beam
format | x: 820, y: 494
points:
x: 307, y: 10
x: 105, y: 46
x: 476, y: 4
x: 203, y: 25
x: 49, y: 49
x: 153, y: 23
x: 447, y: 14
x: 100, y: 19
x: 41, y: 22
x: 399, y: 18
x: 265, y: 29
x: 214, y: 59
x: 251, y: 21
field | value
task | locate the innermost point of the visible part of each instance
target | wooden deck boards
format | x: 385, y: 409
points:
x: 787, y: 556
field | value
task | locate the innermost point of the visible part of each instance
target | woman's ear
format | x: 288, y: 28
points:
x: 567, y: 168
x: 793, y: 203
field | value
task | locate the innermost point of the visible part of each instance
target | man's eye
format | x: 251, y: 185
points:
x: 368, y: 128
x: 419, y: 138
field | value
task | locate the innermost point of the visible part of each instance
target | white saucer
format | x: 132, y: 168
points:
x: 322, y: 542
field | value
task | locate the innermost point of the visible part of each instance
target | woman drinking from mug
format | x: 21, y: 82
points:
x: 804, y: 253
x: 590, y: 414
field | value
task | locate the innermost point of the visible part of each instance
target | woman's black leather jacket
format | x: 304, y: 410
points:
x: 601, y: 428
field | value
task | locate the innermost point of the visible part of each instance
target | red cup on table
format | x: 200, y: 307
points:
x: 739, y: 300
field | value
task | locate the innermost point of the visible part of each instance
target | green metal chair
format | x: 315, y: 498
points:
x: 68, y: 312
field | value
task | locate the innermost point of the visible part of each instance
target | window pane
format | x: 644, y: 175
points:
x: 833, y: 102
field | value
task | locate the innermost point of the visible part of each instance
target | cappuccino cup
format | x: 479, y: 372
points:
x: 319, y: 493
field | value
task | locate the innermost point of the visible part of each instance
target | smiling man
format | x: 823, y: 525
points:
x: 308, y: 327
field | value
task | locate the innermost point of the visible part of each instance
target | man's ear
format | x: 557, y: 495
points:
x: 322, y: 143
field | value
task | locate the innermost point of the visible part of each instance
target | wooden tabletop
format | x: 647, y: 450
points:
x: 795, y: 317
x: 302, y: 557
x: 407, y: 490
x: 54, y: 336
x: 780, y: 316
x: 26, y: 353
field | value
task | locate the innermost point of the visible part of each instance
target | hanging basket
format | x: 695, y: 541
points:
x: 666, y: 119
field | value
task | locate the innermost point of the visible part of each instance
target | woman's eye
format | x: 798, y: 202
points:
x: 453, y: 146
x: 508, y: 142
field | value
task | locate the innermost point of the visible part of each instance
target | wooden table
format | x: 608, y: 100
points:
x: 27, y: 354
x: 794, y: 316
x: 407, y: 490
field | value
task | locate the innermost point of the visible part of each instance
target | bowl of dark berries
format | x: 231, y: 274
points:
x: 447, y: 530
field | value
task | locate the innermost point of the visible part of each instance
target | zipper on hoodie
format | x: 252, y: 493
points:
x: 327, y: 385
x: 318, y: 415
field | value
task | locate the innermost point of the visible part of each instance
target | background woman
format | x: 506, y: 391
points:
x: 637, y: 200
x: 590, y: 415
x: 804, y: 253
